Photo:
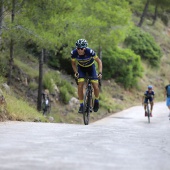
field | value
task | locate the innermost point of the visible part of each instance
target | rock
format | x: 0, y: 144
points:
x: 73, y: 102
x: 6, y: 87
x: 51, y: 119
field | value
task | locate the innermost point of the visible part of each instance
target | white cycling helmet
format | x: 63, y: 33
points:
x: 81, y: 43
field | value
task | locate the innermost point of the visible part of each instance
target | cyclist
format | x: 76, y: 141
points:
x: 167, y: 96
x: 82, y: 61
x: 148, y: 95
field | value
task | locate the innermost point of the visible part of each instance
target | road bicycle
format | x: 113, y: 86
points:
x: 88, y: 100
x: 148, y: 112
x: 46, y: 104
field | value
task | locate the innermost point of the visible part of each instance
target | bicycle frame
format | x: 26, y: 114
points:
x: 148, y: 112
x: 88, y: 102
x: 88, y: 99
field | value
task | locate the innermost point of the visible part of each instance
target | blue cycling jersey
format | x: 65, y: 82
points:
x: 148, y: 94
x: 85, y: 60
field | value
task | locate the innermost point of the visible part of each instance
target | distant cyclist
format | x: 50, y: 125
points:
x: 83, y: 59
x: 167, y: 96
x: 148, y: 96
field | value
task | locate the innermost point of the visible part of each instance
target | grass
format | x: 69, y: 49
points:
x: 20, y: 110
x: 26, y: 69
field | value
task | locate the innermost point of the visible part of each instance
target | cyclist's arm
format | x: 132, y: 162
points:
x: 74, y: 65
x: 153, y: 97
x: 99, y: 62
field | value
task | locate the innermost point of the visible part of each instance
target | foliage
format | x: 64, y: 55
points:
x: 160, y: 7
x: 33, y: 85
x: 3, y: 65
x: 143, y: 44
x: 19, y: 109
x: 66, y: 91
x: 26, y: 68
x: 64, y: 95
x: 51, y: 79
x: 69, y: 87
x: 106, y: 29
x: 122, y: 65
x: 1, y: 79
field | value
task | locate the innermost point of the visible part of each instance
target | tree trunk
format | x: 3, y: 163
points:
x: 11, y: 60
x: 41, y: 58
x: 144, y: 13
x: 155, y: 14
x: 45, y: 56
x: 1, y: 19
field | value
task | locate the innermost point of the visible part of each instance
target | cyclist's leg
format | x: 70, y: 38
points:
x: 145, y: 104
x: 151, y: 104
x: 92, y: 73
x: 82, y: 74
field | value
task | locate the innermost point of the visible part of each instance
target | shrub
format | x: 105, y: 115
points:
x: 64, y: 95
x: 122, y: 65
x: 47, y: 83
x: 33, y: 85
x: 49, y: 79
x: 65, y: 87
x: 3, y: 66
x: 68, y: 86
x: 143, y: 44
x: 33, y: 73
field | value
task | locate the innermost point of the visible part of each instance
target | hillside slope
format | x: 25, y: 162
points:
x: 113, y: 96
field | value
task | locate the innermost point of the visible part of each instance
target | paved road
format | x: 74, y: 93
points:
x: 123, y: 141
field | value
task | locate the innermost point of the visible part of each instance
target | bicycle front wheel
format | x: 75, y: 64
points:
x: 148, y: 113
x: 86, y: 108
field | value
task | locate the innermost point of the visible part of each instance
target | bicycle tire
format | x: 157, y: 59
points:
x: 86, y: 108
x: 148, y: 113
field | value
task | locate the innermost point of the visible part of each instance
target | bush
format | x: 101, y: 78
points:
x: 65, y: 87
x: 49, y: 79
x: 3, y: 65
x: 68, y: 86
x: 143, y: 44
x: 122, y: 65
x: 33, y: 85
x: 64, y: 95
x: 47, y: 83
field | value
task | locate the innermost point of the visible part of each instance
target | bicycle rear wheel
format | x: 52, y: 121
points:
x: 86, y: 108
x: 148, y: 113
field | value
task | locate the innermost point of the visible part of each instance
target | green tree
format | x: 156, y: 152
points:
x: 103, y: 23
x: 143, y: 44
x: 123, y: 65
x: 163, y: 5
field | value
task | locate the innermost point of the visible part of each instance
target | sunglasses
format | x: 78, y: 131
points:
x: 80, y: 48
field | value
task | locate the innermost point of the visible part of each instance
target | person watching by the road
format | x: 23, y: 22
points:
x: 148, y: 96
x: 82, y: 60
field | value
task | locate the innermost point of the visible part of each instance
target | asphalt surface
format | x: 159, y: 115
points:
x: 123, y: 141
